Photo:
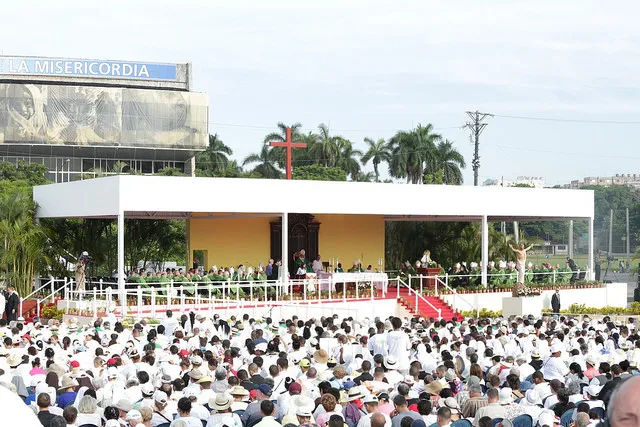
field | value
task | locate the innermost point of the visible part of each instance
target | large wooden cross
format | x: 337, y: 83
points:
x: 288, y: 144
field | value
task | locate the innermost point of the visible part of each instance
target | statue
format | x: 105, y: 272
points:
x: 521, y: 256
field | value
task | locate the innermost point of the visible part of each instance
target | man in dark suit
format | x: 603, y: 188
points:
x: 555, y: 302
x: 13, y: 303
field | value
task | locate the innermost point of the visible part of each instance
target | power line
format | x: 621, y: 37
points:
x: 273, y: 128
x: 554, y: 119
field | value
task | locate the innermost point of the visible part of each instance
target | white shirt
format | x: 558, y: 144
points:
x: 554, y: 369
x: 399, y: 345
x: 268, y: 422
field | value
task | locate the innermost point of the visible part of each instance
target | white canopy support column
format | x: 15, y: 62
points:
x: 591, y: 275
x: 570, y: 238
x: 485, y: 249
x: 285, y: 252
x: 120, y: 251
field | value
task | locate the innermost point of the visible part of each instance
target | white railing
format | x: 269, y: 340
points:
x: 538, y: 277
x: 455, y: 294
x: 418, y: 296
x: 157, y: 297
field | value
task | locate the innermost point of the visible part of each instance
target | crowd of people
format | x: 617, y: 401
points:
x: 194, y: 370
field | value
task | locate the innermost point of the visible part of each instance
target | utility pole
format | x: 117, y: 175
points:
x: 610, y: 233
x: 476, y: 126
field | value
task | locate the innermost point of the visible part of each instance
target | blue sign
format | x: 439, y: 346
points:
x: 60, y: 67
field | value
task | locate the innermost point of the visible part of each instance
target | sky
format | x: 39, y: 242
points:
x: 371, y: 68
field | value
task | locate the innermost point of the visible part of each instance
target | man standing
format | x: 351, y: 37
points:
x: 598, y: 263
x: 269, y: 270
x: 555, y: 301
x: 316, y: 266
x: 13, y: 302
x: 521, y: 256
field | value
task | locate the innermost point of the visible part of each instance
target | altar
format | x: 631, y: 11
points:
x: 522, y: 306
x: 325, y: 280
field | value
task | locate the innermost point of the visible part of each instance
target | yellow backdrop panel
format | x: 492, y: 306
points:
x: 233, y: 241
x: 351, y: 237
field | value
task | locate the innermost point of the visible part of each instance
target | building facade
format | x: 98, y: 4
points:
x: 632, y: 180
x: 530, y: 181
x: 85, y: 118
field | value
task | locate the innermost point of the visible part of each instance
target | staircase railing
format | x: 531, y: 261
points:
x: 443, y: 283
x: 418, y: 297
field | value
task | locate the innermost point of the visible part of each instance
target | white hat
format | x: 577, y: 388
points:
x: 390, y: 362
x: 556, y: 348
x: 592, y: 390
x: 134, y: 415
x: 506, y: 395
x: 532, y: 398
x: 160, y: 396
x: 547, y: 418
x: 304, y: 412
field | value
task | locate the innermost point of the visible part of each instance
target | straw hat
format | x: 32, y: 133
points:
x: 14, y: 360
x: 434, y: 387
x: 390, y: 362
x: 321, y: 356
x: 238, y: 391
x: 220, y: 403
x: 67, y: 382
x: 354, y: 394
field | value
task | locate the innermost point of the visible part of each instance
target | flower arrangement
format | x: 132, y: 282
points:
x: 527, y: 292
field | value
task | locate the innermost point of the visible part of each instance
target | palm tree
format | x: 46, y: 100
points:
x: 366, y: 177
x: 450, y: 162
x: 281, y: 135
x: 378, y: 152
x: 267, y: 162
x: 215, y: 158
x: 325, y: 148
x: 23, y: 252
x: 348, y: 158
x: 411, y: 153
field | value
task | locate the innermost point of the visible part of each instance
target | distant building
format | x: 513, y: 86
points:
x: 632, y: 180
x: 532, y: 181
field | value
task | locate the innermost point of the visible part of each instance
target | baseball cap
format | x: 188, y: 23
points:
x: 160, y: 396
x: 305, y: 363
x: 264, y: 389
x: 134, y: 415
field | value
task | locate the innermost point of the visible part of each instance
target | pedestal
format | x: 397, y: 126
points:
x: 522, y: 306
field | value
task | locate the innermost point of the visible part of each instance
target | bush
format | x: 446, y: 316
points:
x: 50, y: 311
x: 484, y: 313
x: 608, y: 310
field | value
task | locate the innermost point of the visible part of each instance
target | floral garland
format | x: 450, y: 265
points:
x: 528, y: 292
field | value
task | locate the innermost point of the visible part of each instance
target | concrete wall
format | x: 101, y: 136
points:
x: 612, y: 294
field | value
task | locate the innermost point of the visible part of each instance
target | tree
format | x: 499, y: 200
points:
x: 377, y: 152
x: 324, y: 149
x: 23, y: 253
x: 215, y: 159
x: 319, y: 173
x: 267, y: 163
x: 366, y: 177
x: 450, y: 162
x: 412, y: 152
x: 348, y: 158
x: 154, y: 240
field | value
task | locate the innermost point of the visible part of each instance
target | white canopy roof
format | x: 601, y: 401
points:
x: 180, y: 197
